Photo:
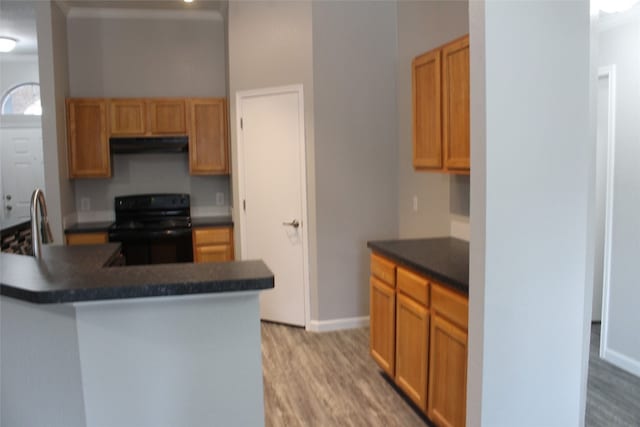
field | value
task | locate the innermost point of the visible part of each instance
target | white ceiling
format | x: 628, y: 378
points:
x: 18, y: 21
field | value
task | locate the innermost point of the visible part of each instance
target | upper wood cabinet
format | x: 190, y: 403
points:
x: 88, y: 143
x: 441, y: 126
x: 208, y: 147
x: 167, y: 117
x: 455, y: 104
x: 427, y: 136
x: 91, y: 122
x: 127, y: 117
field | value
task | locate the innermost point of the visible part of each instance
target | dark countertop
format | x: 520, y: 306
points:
x: 211, y: 221
x: 78, y: 273
x: 103, y: 226
x: 89, y: 227
x: 444, y: 259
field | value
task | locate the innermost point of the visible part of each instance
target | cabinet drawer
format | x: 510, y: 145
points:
x: 87, y: 238
x: 450, y: 305
x: 383, y: 269
x: 213, y: 253
x: 413, y: 285
x: 207, y: 236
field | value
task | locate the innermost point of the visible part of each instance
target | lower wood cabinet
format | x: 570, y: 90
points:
x: 412, y: 347
x: 86, y: 238
x: 448, y: 361
x: 418, y: 336
x: 213, y: 244
x: 448, y: 373
x: 382, y: 324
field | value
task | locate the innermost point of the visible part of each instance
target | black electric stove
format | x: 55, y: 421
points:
x: 153, y: 228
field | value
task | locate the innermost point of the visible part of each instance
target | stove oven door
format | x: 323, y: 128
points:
x: 154, y: 247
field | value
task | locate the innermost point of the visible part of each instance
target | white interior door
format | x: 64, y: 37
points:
x: 272, y: 173
x: 22, y: 171
x: 603, y: 143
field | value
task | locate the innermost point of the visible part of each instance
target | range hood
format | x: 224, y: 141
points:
x: 151, y: 144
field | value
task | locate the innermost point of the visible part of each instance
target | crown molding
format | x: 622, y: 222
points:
x: 608, y: 22
x: 151, y: 14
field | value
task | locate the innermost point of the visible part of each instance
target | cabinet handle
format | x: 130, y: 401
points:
x: 294, y: 223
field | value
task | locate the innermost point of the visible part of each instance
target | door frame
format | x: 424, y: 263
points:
x: 277, y: 90
x: 609, y: 72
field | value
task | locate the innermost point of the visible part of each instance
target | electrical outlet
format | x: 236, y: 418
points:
x: 85, y: 204
x: 415, y: 203
x: 220, y: 199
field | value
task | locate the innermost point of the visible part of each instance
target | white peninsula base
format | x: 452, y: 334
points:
x: 147, y: 362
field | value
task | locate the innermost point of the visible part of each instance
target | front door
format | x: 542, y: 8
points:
x: 271, y: 159
x: 22, y: 172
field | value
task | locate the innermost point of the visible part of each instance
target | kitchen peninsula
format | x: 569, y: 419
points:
x: 85, y: 344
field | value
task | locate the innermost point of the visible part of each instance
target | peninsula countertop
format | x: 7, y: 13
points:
x: 445, y: 259
x: 81, y: 273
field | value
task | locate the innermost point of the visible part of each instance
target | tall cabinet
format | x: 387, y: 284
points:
x: 208, y: 148
x: 88, y: 138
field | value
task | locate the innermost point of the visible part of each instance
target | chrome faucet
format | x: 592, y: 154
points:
x: 37, y: 199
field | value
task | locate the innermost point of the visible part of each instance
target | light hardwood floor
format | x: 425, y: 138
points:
x: 329, y: 379
x: 613, y: 395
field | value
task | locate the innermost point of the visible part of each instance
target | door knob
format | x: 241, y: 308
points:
x: 294, y: 223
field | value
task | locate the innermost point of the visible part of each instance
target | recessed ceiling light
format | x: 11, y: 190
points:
x: 614, y: 6
x: 7, y: 44
x: 188, y: 1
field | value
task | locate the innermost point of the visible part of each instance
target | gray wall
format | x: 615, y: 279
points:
x: 274, y: 36
x: 154, y: 57
x: 620, y: 46
x: 150, y: 173
x: 422, y: 26
x: 54, y: 88
x: 354, y: 59
x: 110, y: 57
x: 530, y: 293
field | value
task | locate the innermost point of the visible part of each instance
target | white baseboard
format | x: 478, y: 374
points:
x: 338, y: 324
x: 622, y: 361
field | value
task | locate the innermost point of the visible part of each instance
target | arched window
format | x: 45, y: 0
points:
x: 23, y: 99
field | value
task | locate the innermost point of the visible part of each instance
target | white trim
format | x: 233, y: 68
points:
x: 108, y: 13
x: 610, y: 72
x: 338, y: 324
x: 298, y: 89
x: 621, y: 361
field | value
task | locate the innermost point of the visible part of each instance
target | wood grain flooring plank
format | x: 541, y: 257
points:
x: 329, y: 379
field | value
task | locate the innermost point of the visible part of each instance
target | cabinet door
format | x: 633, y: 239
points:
x: 167, y: 117
x: 213, y: 253
x: 412, y: 347
x: 127, y: 117
x: 208, y: 151
x: 382, y: 338
x: 447, y: 373
x: 87, y: 139
x: 86, y: 238
x: 456, y: 130
x: 427, y: 136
